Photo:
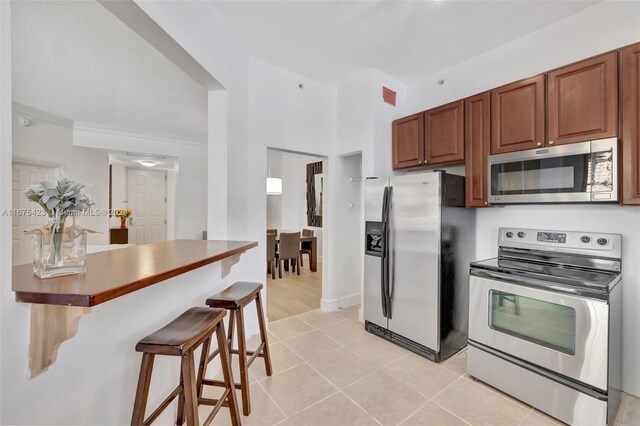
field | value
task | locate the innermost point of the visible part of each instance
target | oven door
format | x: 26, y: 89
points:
x: 563, y: 333
x: 580, y: 172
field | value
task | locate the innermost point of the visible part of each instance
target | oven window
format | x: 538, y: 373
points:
x: 569, y: 173
x: 537, y: 321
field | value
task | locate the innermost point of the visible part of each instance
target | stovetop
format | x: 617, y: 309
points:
x: 573, y: 262
x: 545, y: 271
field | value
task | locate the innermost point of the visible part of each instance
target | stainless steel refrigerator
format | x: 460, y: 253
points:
x: 420, y: 240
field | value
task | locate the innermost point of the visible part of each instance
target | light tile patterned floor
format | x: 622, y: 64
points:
x: 329, y: 371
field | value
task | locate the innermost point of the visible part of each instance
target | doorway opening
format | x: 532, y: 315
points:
x: 294, y: 227
x: 24, y: 175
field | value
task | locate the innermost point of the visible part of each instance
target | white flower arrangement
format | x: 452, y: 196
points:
x: 60, y: 200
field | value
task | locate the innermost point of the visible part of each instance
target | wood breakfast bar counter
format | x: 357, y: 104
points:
x: 115, y: 273
x: 58, y: 303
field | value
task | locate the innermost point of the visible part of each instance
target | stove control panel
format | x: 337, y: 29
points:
x: 590, y: 243
x: 552, y: 237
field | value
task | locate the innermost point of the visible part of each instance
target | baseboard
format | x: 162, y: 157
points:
x: 348, y: 301
x: 329, y: 305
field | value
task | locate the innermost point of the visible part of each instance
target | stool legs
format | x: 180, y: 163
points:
x: 142, y: 393
x: 263, y: 336
x: 189, y: 389
x: 225, y: 362
x: 244, y: 371
x: 202, y: 367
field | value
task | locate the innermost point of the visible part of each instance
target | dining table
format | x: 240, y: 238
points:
x: 313, y: 266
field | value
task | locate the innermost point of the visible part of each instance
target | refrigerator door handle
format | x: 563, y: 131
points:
x: 383, y: 258
x: 388, y: 288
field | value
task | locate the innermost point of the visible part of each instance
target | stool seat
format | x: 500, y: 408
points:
x: 236, y: 296
x: 183, y: 333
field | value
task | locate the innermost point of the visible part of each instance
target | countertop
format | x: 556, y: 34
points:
x: 115, y: 273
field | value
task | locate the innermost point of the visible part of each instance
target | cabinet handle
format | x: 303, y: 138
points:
x: 539, y: 144
x: 486, y: 203
x: 551, y: 142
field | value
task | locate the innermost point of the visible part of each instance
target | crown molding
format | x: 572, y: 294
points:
x: 39, y: 115
x: 101, y: 129
x: 121, y: 132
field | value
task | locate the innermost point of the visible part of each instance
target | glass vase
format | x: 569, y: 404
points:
x: 59, y: 252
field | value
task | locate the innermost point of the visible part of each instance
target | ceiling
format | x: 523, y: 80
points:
x: 76, y: 60
x: 331, y: 41
x: 132, y: 159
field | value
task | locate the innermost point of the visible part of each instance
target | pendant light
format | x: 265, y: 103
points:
x: 274, y: 185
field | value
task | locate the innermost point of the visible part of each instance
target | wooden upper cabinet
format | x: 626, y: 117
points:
x: 582, y: 100
x: 444, y: 134
x: 517, y: 116
x: 408, y: 141
x: 477, y: 137
x: 630, y: 104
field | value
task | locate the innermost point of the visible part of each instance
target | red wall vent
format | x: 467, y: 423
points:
x: 389, y: 96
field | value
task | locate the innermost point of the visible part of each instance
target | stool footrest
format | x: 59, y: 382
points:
x: 216, y: 403
x: 218, y: 383
x: 164, y: 405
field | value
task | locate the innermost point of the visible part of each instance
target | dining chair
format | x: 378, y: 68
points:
x: 273, y: 231
x: 289, y: 249
x: 271, y: 255
x: 305, y: 246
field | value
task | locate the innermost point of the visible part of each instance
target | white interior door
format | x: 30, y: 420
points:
x: 147, y: 192
x: 24, y: 176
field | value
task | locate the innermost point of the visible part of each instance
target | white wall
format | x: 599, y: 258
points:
x: 349, y: 235
x: 600, y: 28
x: 51, y: 143
x: 5, y: 180
x: 285, y: 117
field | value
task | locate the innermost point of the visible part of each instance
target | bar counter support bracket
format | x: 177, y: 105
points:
x: 51, y: 325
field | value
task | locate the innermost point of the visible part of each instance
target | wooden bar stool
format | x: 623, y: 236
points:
x: 234, y: 299
x: 181, y: 337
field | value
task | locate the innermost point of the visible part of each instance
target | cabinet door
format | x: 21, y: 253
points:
x: 630, y: 92
x: 477, y: 137
x: 408, y: 141
x: 582, y: 100
x: 517, y: 116
x: 444, y: 134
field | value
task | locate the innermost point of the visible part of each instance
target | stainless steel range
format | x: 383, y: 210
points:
x: 545, y: 322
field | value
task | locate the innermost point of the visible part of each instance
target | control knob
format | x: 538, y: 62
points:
x: 521, y: 234
x: 603, y: 241
x: 585, y: 239
x: 509, y: 234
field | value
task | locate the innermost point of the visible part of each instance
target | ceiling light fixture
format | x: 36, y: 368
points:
x: 148, y: 163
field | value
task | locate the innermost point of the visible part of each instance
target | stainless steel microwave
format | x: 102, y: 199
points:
x: 575, y: 173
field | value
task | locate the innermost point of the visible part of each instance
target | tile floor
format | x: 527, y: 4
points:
x: 329, y: 371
